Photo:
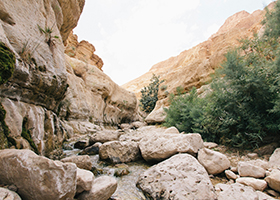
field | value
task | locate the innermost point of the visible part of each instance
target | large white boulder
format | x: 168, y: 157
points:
x: 237, y: 191
x: 158, y: 147
x: 274, y: 160
x: 85, y: 180
x: 213, y: 161
x: 83, y: 162
x: 6, y: 194
x: 179, y: 177
x: 37, y: 177
x: 273, y: 180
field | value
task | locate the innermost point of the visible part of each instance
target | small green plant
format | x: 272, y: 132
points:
x: 27, y: 52
x: 48, y: 35
x: 7, y: 63
x: 163, y: 87
x: 149, y: 94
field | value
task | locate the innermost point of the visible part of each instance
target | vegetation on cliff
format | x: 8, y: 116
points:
x: 244, y: 105
x: 7, y: 66
x: 149, y: 94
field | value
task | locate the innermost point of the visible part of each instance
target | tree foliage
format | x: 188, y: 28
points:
x: 244, y: 105
x: 149, y: 94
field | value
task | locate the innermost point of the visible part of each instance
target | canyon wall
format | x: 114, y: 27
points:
x: 52, y: 96
x: 193, y: 67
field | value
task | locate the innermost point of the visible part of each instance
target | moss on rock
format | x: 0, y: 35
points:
x: 7, y: 63
x: 27, y: 135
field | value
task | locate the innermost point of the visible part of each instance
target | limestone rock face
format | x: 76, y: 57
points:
x: 102, y: 189
x: 43, y: 126
x: 6, y: 194
x: 37, y: 177
x: 179, y: 177
x: 119, y: 152
x: 83, y: 51
x: 213, y: 161
x: 40, y: 74
x: 93, y: 96
x: 158, y: 147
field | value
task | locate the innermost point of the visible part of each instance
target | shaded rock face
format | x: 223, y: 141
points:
x: 83, y: 51
x: 94, y: 97
x: 37, y: 177
x: 179, y: 177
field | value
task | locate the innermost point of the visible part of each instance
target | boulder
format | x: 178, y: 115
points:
x: 257, y: 184
x: 104, y: 136
x: 171, y: 130
x: 156, y: 116
x: 6, y: 194
x: 250, y: 170
x: 230, y: 174
x: 102, y: 189
x: 274, y: 160
x: 82, y: 162
x: 237, y: 191
x: 213, y: 161
x: 37, y: 177
x: 158, y: 147
x: 273, y: 180
x: 179, y: 177
x: 119, y: 151
x: 85, y: 180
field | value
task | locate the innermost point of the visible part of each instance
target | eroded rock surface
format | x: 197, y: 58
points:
x: 179, y: 177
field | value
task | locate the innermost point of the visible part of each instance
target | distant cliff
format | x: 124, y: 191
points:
x: 193, y: 67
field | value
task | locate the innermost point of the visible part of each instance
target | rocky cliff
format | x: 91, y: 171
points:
x: 193, y: 67
x: 50, y: 95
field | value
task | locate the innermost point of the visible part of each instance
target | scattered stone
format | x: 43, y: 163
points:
x: 84, y: 180
x: 102, y: 189
x: 213, y: 161
x: 120, y: 151
x: 156, y: 116
x: 104, y: 136
x: 274, y: 160
x: 125, y: 126
x: 230, y: 174
x: 237, y: 191
x: 83, y: 162
x: 257, y: 184
x: 209, y: 145
x: 91, y: 150
x: 179, y: 177
x: 138, y: 124
x: 250, y: 170
x: 273, y: 180
x: 171, y: 130
x: 252, y: 155
x: 37, y: 177
x: 234, y: 169
x: 158, y: 147
x: 6, y: 194
x: 121, y: 172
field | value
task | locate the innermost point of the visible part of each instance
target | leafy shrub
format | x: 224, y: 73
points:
x: 7, y: 63
x: 149, y: 94
x: 244, y: 105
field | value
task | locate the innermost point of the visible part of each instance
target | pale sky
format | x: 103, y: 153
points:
x: 132, y: 35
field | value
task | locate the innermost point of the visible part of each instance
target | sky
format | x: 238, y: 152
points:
x: 131, y: 36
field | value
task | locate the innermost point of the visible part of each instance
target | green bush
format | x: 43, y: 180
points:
x: 149, y: 94
x: 244, y: 105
